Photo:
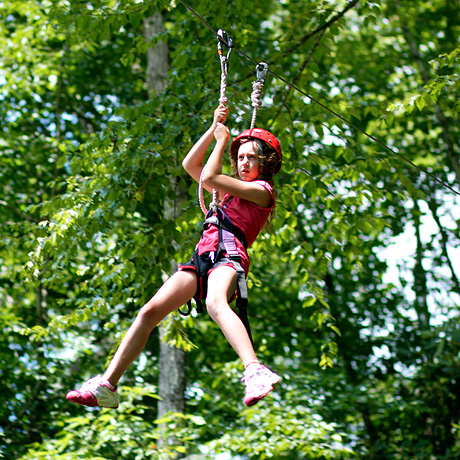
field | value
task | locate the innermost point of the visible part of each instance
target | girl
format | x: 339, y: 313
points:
x: 248, y: 201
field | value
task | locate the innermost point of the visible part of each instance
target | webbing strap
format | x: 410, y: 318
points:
x: 228, y: 240
x: 242, y: 299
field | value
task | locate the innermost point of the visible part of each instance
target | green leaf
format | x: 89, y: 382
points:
x: 335, y: 329
x: 421, y: 102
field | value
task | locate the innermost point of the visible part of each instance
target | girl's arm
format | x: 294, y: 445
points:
x: 193, y: 162
x: 214, y: 179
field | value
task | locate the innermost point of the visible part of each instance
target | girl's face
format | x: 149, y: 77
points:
x: 248, y: 162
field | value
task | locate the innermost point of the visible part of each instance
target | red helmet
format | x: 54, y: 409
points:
x: 257, y: 133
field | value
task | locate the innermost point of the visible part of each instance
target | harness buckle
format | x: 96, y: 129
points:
x: 213, y: 220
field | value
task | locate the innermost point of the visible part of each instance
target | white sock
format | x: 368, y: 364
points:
x: 112, y: 387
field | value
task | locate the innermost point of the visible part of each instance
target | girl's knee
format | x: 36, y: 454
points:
x: 150, y: 315
x: 216, y: 306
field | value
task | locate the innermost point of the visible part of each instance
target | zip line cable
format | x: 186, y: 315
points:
x: 370, y: 136
x: 349, y: 123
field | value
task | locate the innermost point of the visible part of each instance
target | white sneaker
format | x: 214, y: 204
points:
x: 259, y: 381
x: 95, y: 392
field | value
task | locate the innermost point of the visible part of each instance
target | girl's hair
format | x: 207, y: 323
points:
x: 269, y: 166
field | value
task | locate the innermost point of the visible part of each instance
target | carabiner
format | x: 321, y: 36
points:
x: 261, y: 71
x: 224, y: 39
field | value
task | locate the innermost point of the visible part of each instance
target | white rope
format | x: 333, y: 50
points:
x: 200, y: 194
x: 214, y: 203
x: 223, y: 80
x: 222, y: 100
x: 256, y: 95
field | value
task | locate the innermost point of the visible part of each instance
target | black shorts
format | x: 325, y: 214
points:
x: 203, y: 265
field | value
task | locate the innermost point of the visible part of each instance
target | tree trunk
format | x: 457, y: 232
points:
x: 444, y: 242
x: 420, y: 279
x: 171, y: 382
x: 157, y: 56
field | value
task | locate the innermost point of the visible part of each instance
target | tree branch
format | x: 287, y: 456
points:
x: 297, y: 76
x: 351, y: 4
x: 21, y: 214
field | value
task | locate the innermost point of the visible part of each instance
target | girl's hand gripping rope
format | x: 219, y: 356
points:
x: 222, y: 133
x: 220, y: 114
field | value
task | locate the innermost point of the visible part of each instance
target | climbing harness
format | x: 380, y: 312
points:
x: 225, y: 254
x: 223, y: 39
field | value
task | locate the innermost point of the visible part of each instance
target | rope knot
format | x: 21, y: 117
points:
x: 256, y: 95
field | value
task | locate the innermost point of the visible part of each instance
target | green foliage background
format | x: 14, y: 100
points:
x: 370, y: 367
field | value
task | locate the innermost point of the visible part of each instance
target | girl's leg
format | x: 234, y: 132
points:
x: 221, y: 286
x: 174, y: 293
x: 259, y: 380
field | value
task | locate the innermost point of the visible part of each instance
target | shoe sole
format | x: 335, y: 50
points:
x: 78, y: 399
